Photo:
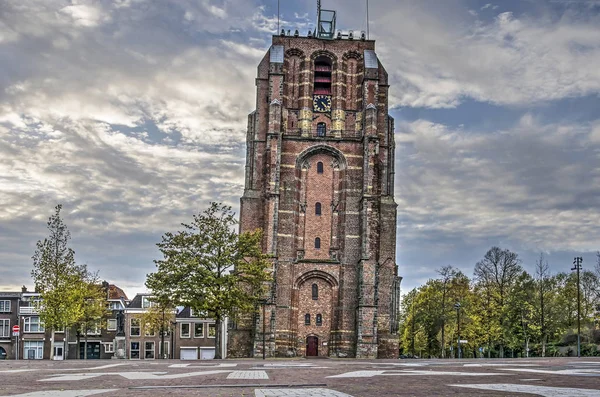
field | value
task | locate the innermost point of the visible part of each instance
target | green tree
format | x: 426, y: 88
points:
x: 158, y: 318
x: 211, y: 268
x: 92, y: 296
x: 57, y: 277
x: 542, y: 289
x: 496, y: 275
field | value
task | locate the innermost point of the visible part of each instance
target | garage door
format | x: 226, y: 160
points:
x: 188, y: 354
x: 207, y: 354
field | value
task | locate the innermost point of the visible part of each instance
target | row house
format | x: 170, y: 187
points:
x: 99, y: 339
x: 122, y: 335
x: 9, y: 309
x: 35, y: 342
x: 187, y: 336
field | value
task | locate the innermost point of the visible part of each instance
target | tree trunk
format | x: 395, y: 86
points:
x: 53, y: 344
x: 162, y: 342
x: 543, y: 346
x: 85, y: 344
x: 66, y: 344
x: 443, y: 355
x: 218, y: 339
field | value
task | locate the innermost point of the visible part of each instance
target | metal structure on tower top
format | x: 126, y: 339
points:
x: 325, y: 23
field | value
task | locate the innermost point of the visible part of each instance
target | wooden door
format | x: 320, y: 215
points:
x: 312, y: 346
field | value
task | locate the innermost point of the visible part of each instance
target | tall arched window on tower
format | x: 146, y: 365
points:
x: 322, y: 85
x: 321, y: 129
x: 318, y: 243
x: 318, y: 209
x: 319, y: 167
x: 319, y: 320
x: 307, y: 319
x: 315, y: 292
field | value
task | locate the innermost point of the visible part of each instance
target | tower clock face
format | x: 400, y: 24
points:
x: 322, y: 103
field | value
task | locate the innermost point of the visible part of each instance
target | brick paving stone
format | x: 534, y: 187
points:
x: 248, y: 375
x: 299, y: 393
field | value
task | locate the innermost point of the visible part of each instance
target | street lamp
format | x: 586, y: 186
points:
x: 577, y: 266
x: 457, y: 307
x: 263, y: 303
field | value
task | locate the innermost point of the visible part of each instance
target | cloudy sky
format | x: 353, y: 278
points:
x: 132, y: 114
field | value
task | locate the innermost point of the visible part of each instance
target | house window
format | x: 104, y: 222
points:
x: 5, y: 328
x: 135, y: 329
x: 199, y: 330
x: 33, y: 349
x: 318, y: 209
x: 185, y: 330
x: 149, y: 350
x: 148, y: 330
x: 321, y: 129
x: 212, y: 330
x: 147, y: 302
x: 109, y: 348
x: 4, y: 306
x: 315, y: 292
x: 134, y: 352
x: 93, y: 329
x: 307, y: 319
x: 319, y: 319
x: 319, y: 167
x: 111, y: 324
x: 32, y: 324
x: 116, y: 306
x: 166, y: 352
x: 318, y: 243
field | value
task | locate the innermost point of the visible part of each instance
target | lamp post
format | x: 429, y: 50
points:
x: 577, y: 266
x: 457, y: 307
x: 263, y: 303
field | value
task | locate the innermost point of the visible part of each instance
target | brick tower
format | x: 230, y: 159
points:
x: 320, y: 184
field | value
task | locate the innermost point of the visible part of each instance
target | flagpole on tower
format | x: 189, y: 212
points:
x: 277, y: 17
x: 367, y: 19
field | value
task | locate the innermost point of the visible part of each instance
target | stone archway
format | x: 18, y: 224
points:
x: 314, y: 300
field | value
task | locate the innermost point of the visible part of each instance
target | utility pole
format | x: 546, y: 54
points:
x: 457, y: 307
x: 577, y: 266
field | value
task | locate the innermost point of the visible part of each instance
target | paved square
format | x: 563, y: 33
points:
x: 299, y: 393
x: 546, y: 377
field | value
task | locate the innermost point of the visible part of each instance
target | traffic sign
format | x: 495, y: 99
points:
x: 16, y: 328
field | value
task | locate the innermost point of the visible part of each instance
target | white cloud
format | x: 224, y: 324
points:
x: 510, y: 60
x: 534, y: 184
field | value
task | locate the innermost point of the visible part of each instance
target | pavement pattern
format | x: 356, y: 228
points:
x: 547, y: 377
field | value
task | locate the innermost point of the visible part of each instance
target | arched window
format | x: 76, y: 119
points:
x: 318, y: 243
x: 307, y: 319
x: 315, y: 292
x: 321, y: 129
x: 322, y: 79
x: 319, y: 167
x: 319, y: 319
x: 317, y: 208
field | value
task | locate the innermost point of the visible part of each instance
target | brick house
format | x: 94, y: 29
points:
x: 319, y: 182
x: 35, y: 342
x: 195, y: 336
x: 142, y: 343
x: 9, y: 316
x: 100, y: 338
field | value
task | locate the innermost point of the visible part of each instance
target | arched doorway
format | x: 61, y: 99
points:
x: 312, y: 346
x: 2, y: 353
